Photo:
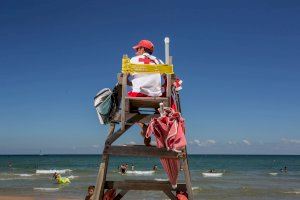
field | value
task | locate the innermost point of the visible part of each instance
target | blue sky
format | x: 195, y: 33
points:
x: 239, y: 61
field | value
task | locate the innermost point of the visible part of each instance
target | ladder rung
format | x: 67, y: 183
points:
x: 143, y: 185
x: 140, y: 150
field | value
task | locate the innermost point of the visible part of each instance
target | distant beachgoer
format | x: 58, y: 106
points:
x: 285, y: 169
x: 90, y: 192
x: 132, y: 167
x: 123, y: 169
x: 155, y: 168
x: 9, y: 165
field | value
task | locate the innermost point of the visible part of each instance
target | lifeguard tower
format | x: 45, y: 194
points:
x: 126, y: 117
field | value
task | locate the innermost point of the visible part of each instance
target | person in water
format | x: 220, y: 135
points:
x: 90, y: 192
x: 155, y: 168
x: 123, y: 169
x: 59, y: 179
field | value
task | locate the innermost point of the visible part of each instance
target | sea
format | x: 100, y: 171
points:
x: 243, y: 176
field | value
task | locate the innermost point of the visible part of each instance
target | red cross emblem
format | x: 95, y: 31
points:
x: 146, y: 60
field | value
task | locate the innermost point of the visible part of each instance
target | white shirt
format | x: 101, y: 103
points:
x: 146, y: 83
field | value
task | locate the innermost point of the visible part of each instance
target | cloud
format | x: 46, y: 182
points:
x: 95, y: 146
x: 247, y: 142
x: 132, y: 142
x: 290, y: 141
x: 231, y: 142
x: 204, y: 143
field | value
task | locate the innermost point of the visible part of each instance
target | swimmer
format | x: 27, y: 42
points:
x: 60, y: 179
x: 123, y: 169
x: 155, y: 168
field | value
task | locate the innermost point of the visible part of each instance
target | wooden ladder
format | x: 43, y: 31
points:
x: 137, y: 150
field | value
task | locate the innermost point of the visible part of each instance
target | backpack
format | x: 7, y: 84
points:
x: 106, y: 103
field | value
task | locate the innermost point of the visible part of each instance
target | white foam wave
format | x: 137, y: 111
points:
x: 144, y: 173
x: 72, y: 177
x: 293, y: 192
x: 161, y: 179
x: 212, y: 174
x: 24, y: 175
x: 7, y: 179
x: 195, y: 188
x: 52, y: 171
x: 46, y: 189
x: 273, y: 174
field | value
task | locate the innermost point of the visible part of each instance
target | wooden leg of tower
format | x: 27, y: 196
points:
x: 101, y: 178
x: 99, y: 182
x: 170, y: 194
x: 124, y: 94
x: 187, y: 178
x: 120, y: 195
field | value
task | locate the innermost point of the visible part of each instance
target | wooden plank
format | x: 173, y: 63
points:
x: 140, y: 150
x: 158, y: 99
x: 187, y: 177
x: 144, y: 118
x: 116, y: 135
x: 170, y: 194
x: 121, y: 194
x: 146, y: 102
x: 124, y: 94
x: 168, y: 92
x: 99, y: 182
x: 111, y: 129
x: 143, y: 185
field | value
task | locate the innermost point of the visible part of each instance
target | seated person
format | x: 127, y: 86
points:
x: 145, y: 84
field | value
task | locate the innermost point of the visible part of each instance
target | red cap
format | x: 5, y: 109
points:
x: 146, y: 44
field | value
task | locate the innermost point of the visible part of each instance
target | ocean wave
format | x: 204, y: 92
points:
x: 7, y: 179
x: 196, y: 188
x: 273, y: 173
x: 46, y: 189
x: 144, y: 173
x: 52, y: 171
x: 72, y: 177
x: 161, y: 179
x: 293, y: 192
x: 24, y: 175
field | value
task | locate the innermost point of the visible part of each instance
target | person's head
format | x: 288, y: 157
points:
x: 144, y: 46
x: 91, y: 190
x: 55, y: 175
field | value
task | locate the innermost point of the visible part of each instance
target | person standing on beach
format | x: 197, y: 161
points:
x: 145, y: 84
x: 90, y: 193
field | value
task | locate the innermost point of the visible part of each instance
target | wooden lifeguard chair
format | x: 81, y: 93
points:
x: 130, y: 114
